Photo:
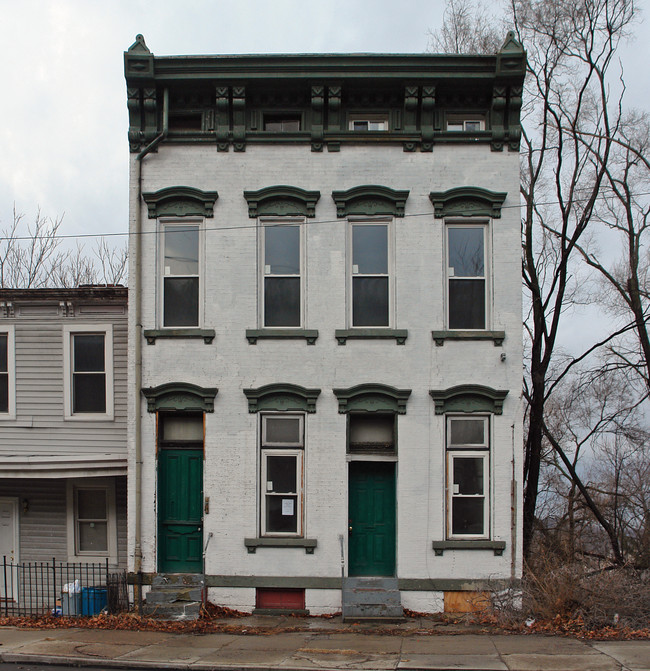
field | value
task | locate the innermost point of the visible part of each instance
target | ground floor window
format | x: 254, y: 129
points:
x: 467, y: 477
x: 282, y: 450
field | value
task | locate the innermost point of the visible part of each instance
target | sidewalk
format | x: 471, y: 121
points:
x: 320, y: 644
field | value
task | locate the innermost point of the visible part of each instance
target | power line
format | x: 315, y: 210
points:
x: 80, y: 236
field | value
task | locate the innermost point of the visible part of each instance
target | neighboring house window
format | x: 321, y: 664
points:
x: 88, y: 362
x: 282, y: 475
x: 282, y: 123
x: 7, y: 375
x: 181, y: 276
x: 468, y: 477
x: 368, y: 122
x: 466, y: 276
x: 92, y: 518
x: 370, y: 274
x: 282, y: 274
x: 469, y: 124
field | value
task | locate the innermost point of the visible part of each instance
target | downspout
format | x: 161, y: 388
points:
x: 137, y: 291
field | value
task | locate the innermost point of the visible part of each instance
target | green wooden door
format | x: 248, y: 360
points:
x: 371, y: 503
x: 180, y: 508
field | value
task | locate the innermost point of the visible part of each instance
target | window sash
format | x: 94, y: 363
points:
x: 282, y: 274
x: 469, y: 509
x: 4, y: 373
x: 371, y: 287
x: 180, y: 274
x: 467, y: 286
x: 268, y: 442
x: 483, y: 444
x: 281, y: 512
x: 84, y: 524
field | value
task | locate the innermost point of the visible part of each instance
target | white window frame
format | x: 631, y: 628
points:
x: 485, y: 226
x: 371, y: 221
x: 379, y: 119
x: 263, y: 223
x: 473, y: 450
x: 170, y: 222
x: 9, y: 331
x: 69, y: 331
x: 101, y: 484
x: 462, y: 120
x: 273, y: 449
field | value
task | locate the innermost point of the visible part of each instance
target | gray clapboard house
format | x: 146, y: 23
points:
x: 63, y: 425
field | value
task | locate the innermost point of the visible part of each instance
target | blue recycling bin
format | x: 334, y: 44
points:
x: 93, y: 600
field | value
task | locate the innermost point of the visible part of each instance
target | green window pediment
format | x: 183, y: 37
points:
x: 369, y: 200
x: 282, y: 397
x: 180, y: 201
x: 467, y: 201
x: 281, y: 201
x: 180, y: 397
x: 372, y: 398
x: 468, y: 398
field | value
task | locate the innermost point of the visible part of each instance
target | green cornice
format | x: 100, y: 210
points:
x: 180, y: 396
x: 281, y: 201
x: 370, y: 199
x: 282, y: 397
x: 467, y: 201
x: 372, y: 398
x: 180, y: 201
x: 468, y: 398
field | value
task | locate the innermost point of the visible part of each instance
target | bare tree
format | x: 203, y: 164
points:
x: 467, y: 28
x: 33, y: 256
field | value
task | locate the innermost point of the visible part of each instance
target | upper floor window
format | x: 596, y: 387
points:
x: 88, y: 363
x: 282, y: 444
x: 282, y: 123
x: 7, y: 381
x: 370, y: 274
x: 181, y: 274
x: 466, y: 276
x: 363, y: 122
x: 470, y: 124
x: 468, y: 446
x: 282, y: 274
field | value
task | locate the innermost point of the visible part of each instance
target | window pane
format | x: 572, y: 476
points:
x: 281, y: 301
x: 466, y: 252
x: 4, y: 392
x: 282, y: 514
x: 282, y: 430
x: 93, y: 537
x: 88, y: 353
x: 181, y: 250
x: 3, y: 352
x: 282, y: 250
x: 467, y: 516
x: 466, y: 304
x: 467, y: 432
x: 281, y: 473
x: 472, y: 126
x: 372, y: 430
x: 183, y: 428
x: 282, y: 124
x: 468, y: 475
x: 181, y: 302
x: 91, y: 504
x: 89, y: 392
x: 370, y: 301
x: 370, y: 249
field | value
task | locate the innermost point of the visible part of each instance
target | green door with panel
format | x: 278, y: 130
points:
x: 371, y: 503
x: 180, y: 510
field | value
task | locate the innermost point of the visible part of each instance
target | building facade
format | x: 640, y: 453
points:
x: 63, y: 456
x: 325, y: 349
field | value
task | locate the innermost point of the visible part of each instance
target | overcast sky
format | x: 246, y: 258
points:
x: 63, y: 130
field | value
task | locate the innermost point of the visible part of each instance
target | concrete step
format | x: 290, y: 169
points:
x: 175, y: 596
x: 371, y: 598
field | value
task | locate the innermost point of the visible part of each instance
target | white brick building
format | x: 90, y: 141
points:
x: 325, y: 324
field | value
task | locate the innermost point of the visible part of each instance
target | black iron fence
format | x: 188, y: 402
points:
x: 61, y: 588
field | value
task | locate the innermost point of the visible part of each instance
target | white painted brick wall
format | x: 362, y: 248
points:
x: 232, y: 364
